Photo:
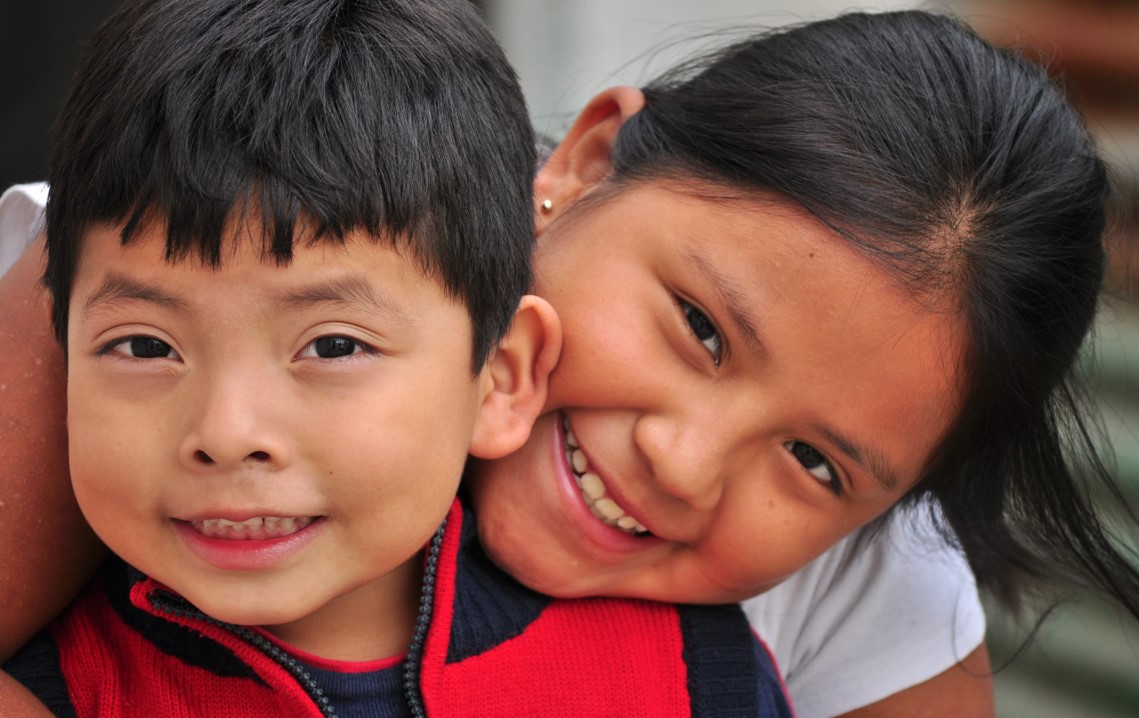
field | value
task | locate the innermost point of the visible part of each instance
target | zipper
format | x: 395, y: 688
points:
x: 412, y: 661
x: 178, y: 606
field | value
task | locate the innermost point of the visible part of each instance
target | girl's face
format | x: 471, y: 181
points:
x: 738, y: 390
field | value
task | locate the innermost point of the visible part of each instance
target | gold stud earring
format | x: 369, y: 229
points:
x: 547, y: 206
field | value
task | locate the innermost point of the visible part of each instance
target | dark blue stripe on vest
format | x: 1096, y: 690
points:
x: 490, y: 606
x: 171, y: 638
x: 729, y: 673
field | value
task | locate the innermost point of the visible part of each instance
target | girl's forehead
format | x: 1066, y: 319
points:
x: 695, y: 222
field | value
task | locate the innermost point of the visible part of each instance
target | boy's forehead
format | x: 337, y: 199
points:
x: 244, y: 237
x: 359, y: 268
x: 362, y: 281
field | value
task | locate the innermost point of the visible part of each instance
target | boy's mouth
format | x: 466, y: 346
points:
x: 256, y: 528
x: 593, y: 489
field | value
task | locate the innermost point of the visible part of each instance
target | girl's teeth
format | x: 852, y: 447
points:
x: 258, y: 527
x: 593, y: 490
x: 609, y: 508
x: 580, y: 463
x: 591, y: 486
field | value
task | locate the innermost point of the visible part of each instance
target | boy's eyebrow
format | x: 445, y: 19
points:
x: 868, y: 458
x: 349, y: 289
x: 117, y: 287
x: 733, y: 298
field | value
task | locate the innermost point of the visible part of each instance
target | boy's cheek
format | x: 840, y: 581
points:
x: 104, y: 429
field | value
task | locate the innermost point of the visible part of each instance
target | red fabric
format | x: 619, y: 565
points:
x: 112, y: 670
x: 587, y: 657
x: 545, y: 672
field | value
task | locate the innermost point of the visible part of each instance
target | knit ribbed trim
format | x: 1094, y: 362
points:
x: 490, y: 607
x: 721, y: 654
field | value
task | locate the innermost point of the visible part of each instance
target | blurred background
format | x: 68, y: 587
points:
x: 1084, y: 660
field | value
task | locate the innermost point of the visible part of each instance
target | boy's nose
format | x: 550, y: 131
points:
x: 685, y: 453
x: 253, y: 457
x: 235, y: 426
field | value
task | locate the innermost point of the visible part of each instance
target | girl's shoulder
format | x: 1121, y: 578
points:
x: 878, y: 612
x: 21, y: 217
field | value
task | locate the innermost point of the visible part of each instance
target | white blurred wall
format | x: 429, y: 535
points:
x: 567, y: 50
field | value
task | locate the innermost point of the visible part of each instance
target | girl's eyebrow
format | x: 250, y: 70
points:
x: 733, y: 297
x: 118, y: 287
x: 871, y: 460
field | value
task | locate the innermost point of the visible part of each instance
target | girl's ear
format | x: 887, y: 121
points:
x: 584, y: 157
x: 517, y: 375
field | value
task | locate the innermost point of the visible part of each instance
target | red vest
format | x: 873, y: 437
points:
x: 492, y: 647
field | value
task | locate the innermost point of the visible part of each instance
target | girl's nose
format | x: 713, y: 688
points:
x: 234, y: 425
x: 686, y: 454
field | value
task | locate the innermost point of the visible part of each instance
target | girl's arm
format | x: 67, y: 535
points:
x: 965, y: 689
x: 15, y: 700
x: 887, y: 623
x: 48, y: 552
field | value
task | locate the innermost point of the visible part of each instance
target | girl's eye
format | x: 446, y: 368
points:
x: 141, y: 348
x: 816, y: 464
x: 335, y: 347
x: 704, y: 330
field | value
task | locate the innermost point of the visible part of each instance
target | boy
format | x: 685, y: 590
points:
x: 285, y: 243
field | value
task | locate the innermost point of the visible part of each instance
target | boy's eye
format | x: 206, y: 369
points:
x: 816, y: 464
x: 704, y: 330
x: 334, y: 347
x: 142, y: 348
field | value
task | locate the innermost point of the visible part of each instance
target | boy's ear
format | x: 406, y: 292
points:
x: 584, y: 157
x: 518, y: 373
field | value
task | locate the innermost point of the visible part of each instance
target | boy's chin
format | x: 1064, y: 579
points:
x: 245, y: 607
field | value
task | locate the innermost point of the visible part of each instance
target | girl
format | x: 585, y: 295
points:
x: 817, y: 276
x: 959, y: 173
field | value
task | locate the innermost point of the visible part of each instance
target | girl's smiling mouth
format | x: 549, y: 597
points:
x: 593, y: 490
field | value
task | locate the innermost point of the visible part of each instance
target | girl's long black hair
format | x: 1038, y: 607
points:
x: 963, y: 171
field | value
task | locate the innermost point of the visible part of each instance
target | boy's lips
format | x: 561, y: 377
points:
x: 593, y: 491
x: 255, y: 543
x: 256, y: 528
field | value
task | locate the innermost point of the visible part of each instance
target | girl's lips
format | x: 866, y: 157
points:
x: 234, y: 546
x: 595, y: 529
x: 595, y: 492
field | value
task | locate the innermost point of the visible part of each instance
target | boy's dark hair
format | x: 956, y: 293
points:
x: 962, y: 170
x: 316, y: 117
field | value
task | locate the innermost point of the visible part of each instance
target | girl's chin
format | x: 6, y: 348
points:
x: 534, y: 522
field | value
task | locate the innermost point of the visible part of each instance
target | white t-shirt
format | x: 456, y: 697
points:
x: 876, y: 613
x: 871, y: 616
x: 21, y: 211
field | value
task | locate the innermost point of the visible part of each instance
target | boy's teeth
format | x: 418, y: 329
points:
x: 593, y: 490
x: 258, y: 527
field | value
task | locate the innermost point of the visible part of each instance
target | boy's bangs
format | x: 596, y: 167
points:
x: 303, y: 120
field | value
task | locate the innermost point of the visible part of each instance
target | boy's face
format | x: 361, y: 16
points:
x: 739, y: 383
x: 275, y: 443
